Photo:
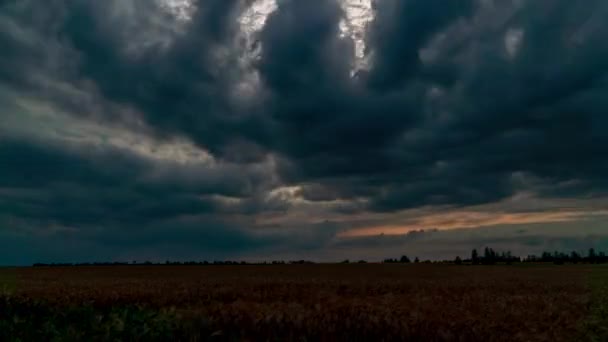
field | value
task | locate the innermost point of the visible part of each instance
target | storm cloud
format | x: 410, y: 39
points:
x: 240, y: 128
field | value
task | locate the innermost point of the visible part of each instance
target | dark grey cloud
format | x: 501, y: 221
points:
x: 499, y: 116
x: 323, y: 120
x: 410, y: 26
x: 179, y: 89
x: 109, y: 198
x: 463, y: 103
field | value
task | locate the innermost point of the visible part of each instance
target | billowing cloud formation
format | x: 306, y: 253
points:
x: 227, y: 128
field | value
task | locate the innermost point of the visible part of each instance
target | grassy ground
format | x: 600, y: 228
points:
x: 307, y: 303
x: 594, y: 327
x: 8, y: 280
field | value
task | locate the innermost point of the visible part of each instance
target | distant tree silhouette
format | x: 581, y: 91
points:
x: 490, y: 257
x: 592, y: 257
x: 575, y: 257
x: 475, y: 257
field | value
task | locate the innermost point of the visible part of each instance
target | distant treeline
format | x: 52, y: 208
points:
x: 488, y: 257
x: 171, y: 263
x: 491, y: 257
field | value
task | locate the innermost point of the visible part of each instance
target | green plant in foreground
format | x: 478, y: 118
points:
x: 30, y: 320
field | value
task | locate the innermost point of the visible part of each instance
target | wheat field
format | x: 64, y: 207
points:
x: 319, y: 302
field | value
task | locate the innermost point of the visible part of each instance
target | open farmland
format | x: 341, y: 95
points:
x: 356, y: 302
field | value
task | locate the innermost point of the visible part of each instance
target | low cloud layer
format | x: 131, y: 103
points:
x: 247, y: 129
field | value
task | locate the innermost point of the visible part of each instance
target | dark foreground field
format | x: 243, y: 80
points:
x: 356, y: 302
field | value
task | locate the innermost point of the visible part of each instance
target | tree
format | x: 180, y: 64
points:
x: 575, y: 257
x: 458, y: 261
x: 489, y: 256
x: 592, y: 255
x: 475, y: 257
x: 404, y: 259
x: 416, y: 260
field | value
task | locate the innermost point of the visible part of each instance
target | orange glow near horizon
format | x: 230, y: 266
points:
x: 465, y: 219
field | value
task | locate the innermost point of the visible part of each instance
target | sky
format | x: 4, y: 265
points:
x: 290, y: 129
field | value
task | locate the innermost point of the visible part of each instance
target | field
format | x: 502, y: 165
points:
x: 351, y: 302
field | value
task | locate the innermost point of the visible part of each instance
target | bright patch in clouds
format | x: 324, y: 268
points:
x: 57, y: 127
x: 252, y: 21
x: 513, y: 40
x: 181, y: 9
x: 254, y: 18
x: 358, y: 14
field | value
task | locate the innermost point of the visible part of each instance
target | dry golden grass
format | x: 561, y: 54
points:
x: 361, y: 302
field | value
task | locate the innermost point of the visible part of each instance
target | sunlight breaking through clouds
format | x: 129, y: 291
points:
x: 358, y: 14
x: 251, y: 22
x: 182, y: 10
